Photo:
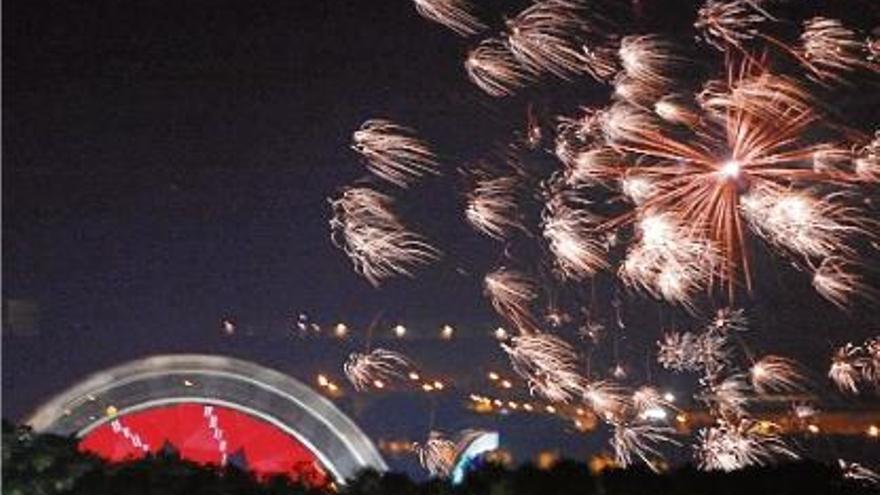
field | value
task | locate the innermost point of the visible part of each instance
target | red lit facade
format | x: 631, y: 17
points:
x: 206, y: 434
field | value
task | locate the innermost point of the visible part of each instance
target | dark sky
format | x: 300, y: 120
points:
x: 166, y: 164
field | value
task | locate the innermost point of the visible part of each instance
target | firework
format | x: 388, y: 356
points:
x: 856, y: 472
x: 867, y: 160
x: 632, y: 442
x: 365, y: 226
x: 668, y: 261
x: 729, y: 446
x: 679, y: 351
x: 729, y: 23
x: 544, y: 38
x: 729, y: 320
x: 831, y: 48
x: 591, y: 166
x: 800, y: 222
x: 375, y: 368
x: 511, y: 293
x: 845, y: 369
x: 591, y: 331
x: 647, y: 399
x: 492, y: 206
x: 393, y: 152
x: 454, y: 14
x: 651, y: 61
x: 734, y: 174
x: 495, y: 70
x: 836, y: 281
x: 437, y: 454
x: 548, y: 364
x: 871, y: 363
x: 609, y: 400
x: 568, y: 231
x: 730, y: 396
x: 575, y: 135
x: 600, y: 62
x: 676, y: 110
x: 776, y: 374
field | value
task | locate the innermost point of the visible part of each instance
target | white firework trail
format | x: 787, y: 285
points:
x: 632, y: 442
x: 777, y: 374
x: 608, y: 400
x: 830, y: 49
x: 729, y: 396
x: 393, y: 152
x: 511, y: 294
x: 455, y: 14
x: 647, y: 399
x: 668, y: 260
x: 728, y: 320
x: 365, y: 226
x: 494, y: 69
x: 492, y: 206
x: 375, y: 368
x: 835, y: 280
x: 437, y: 454
x: 801, y: 223
x: 856, y: 472
x: 569, y: 233
x: 728, y: 447
x: 651, y: 61
x: 845, y: 370
x: 679, y: 351
x: 548, y: 364
x: 726, y: 23
x: 545, y: 38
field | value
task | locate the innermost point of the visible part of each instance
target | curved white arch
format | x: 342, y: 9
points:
x: 264, y: 393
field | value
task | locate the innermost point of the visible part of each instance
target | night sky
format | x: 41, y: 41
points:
x: 166, y: 166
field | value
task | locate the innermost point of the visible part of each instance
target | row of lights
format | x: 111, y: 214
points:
x: 341, y: 331
x: 447, y: 332
x: 499, y: 380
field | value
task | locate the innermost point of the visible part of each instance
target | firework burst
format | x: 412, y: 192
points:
x: 545, y: 38
x: 437, y: 454
x: 454, y: 14
x: 729, y: 446
x: 856, y: 472
x: 609, y: 400
x: 831, y: 49
x: 365, y: 226
x: 548, y: 364
x: 511, y: 294
x: 729, y: 23
x: 569, y: 233
x: 393, y: 152
x: 631, y: 442
x: 776, y: 374
x: 494, y: 69
x: 375, y: 368
x: 845, y: 369
x: 668, y: 260
x: 492, y: 206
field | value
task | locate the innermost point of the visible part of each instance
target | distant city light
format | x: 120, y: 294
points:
x: 399, y: 331
x: 446, y: 332
x: 340, y: 330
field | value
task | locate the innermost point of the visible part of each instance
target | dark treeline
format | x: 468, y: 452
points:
x: 44, y: 464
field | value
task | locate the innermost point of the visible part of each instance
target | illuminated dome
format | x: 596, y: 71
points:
x: 211, y: 410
